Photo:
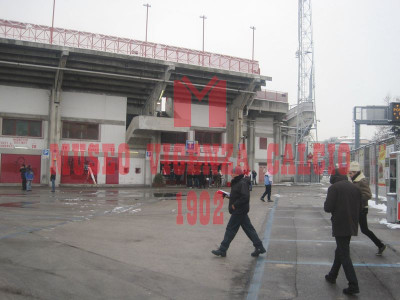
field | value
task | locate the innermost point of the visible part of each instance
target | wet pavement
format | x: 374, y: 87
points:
x: 126, y: 243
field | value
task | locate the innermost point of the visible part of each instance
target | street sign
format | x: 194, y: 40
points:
x: 45, y: 152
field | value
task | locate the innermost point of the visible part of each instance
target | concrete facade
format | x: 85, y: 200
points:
x: 126, y: 107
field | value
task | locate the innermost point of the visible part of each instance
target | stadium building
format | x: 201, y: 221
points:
x: 85, y: 102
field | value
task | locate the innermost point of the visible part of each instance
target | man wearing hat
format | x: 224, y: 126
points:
x: 358, y: 178
x: 238, y: 208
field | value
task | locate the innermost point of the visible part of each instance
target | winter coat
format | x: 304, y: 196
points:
x: 29, y: 174
x: 22, y: 170
x: 344, y: 202
x: 240, y: 195
x: 362, y: 183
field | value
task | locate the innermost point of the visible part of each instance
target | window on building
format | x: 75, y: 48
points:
x: 206, y: 137
x: 263, y: 143
x: 17, y: 127
x: 80, y: 131
x: 173, y: 137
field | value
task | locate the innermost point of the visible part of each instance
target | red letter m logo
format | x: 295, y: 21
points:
x: 216, y: 90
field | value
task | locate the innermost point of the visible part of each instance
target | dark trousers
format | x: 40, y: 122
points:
x: 364, y: 229
x: 24, y: 184
x: 267, y: 191
x: 232, y: 228
x: 342, y: 258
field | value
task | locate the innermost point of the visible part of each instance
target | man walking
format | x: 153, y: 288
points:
x: 268, y: 187
x: 238, y: 208
x: 358, y: 178
x: 344, y: 203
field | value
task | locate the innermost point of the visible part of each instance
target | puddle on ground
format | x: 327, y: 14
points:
x: 167, y: 195
x: 22, y: 204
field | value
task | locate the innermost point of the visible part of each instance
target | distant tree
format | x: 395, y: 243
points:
x: 384, y: 132
x: 332, y: 140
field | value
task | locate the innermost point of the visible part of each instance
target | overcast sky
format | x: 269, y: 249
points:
x: 356, y: 42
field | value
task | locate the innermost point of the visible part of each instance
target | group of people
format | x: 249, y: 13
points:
x: 27, y: 177
x: 202, y: 181
x: 347, y: 201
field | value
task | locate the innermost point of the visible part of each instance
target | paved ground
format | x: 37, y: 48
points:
x: 126, y: 244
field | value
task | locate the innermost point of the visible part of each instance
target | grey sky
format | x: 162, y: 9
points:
x: 357, y: 44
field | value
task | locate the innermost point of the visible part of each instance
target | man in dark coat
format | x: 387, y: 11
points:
x: 359, y: 180
x: 22, y: 170
x: 254, y: 175
x: 238, y: 208
x: 344, y: 202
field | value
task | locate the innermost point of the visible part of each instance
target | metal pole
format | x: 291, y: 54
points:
x: 52, y: 23
x: 376, y: 156
x: 203, y: 17
x: 252, y: 52
x: 147, y: 17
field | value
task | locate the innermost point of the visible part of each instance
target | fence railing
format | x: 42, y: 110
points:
x: 86, y: 40
x: 272, y: 96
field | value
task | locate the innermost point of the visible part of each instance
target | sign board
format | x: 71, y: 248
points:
x: 190, y: 145
x: 45, y: 152
x: 148, y: 154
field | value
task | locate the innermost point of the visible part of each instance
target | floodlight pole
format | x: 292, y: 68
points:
x: 147, y: 17
x: 252, y: 52
x: 203, y: 17
x: 52, y: 23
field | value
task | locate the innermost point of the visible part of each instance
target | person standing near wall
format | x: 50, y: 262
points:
x: 22, y: 170
x: 358, y: 178
x: 254, y: 173
x: 29, y: 177
x: 268, y: 187
x: 53, y: 179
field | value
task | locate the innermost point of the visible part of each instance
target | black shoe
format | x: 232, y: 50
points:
x: 270, y: 200
x: 380, y: 250
x: 330, y: 279
x: 262, y: 199
x: 219, y: 252
x: 351, y: 290
x: 258, y: 251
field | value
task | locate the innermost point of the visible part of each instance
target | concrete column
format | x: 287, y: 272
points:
x: 157, y: 92
x: 278, y: 156
x: 191, y: 135
x: 54, y: 130
x: 357, y: 135
x: 251, y: 142
x: 237, y: 130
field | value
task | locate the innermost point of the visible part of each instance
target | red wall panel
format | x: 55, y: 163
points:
x: 10, y: 164
x: 73, y: 169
